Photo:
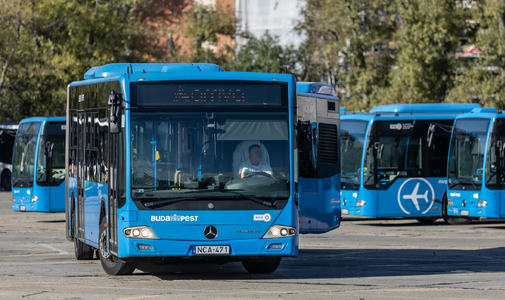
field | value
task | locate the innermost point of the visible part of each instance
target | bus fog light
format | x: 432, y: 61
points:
x: 449, y: 202
x: 143, y: 232
x: 481, y: 203
x: 360, y: 202
x: 279, y: 231
x: 34, y: 199
x: 275, y: 246
x: 145, y: 247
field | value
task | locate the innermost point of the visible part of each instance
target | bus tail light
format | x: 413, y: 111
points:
x: 449, y: 202
x: 34, y: 199
x: 360, y: 202
x: 141, y: 232
x: 481, y: 203
x: 277, y: 231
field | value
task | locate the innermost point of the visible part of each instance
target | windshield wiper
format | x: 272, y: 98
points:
x: 169, y: 201
x: 235, y: 191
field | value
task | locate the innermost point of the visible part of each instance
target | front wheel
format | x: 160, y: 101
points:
x: 111, y: 264
x: 262, y: 266
x: 452, y: 220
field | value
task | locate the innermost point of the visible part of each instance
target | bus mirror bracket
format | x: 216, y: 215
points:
x: 115, y: 101
x: 378, y: 148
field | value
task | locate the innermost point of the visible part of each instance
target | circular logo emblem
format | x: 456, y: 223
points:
x: 210, y: 232
x: 210, y: 205
x: 416, y: 195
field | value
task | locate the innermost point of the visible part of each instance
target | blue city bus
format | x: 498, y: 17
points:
x: 319, y: 183
x: 182, y: 162
x: 476, y: 180
x: 394, y: 160
x: 38, y: 165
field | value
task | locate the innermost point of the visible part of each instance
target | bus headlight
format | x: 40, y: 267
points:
x: 449, y: 202
x: 481, y: 203
x: 141, y: 232
x: 34, y: 199
x: 360, y: 202
x: 278, y: 231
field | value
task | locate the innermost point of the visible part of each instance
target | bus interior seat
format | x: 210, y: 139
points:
x: 241, y: 154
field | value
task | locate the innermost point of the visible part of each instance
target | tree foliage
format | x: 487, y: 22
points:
x: 46, y: 44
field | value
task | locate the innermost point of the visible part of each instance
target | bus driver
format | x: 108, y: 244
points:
x: 254, y: 164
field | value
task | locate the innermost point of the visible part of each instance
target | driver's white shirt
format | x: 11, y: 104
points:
x: 248, y: 167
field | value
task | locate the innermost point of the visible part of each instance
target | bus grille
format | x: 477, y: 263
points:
x: 328, y: 144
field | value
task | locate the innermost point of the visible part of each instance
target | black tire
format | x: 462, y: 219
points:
x: 452, y: 220
x: 82, y: 251
x: 427, y: 220
x: 110, y: 264
x: 6, y: 180
x: 262, y: 266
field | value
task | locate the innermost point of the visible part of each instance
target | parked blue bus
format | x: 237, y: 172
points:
x: 394, y: 160
x: 38, y: 165
x: 319, y: 182
x: 476, y: 169
x: 171, y: 162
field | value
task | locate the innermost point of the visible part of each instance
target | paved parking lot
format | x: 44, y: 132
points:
x: 364, y: 259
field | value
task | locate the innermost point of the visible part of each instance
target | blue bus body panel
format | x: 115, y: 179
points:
x: 50, y: 198
x: 319, y: 203
x: 495, y: 198
x: 399, y: 200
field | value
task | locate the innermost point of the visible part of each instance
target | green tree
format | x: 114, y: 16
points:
x: 426, y: 42
x: 482, y: 77
x: 49, y: 43
x: 350, y: 41
x: 264, y: 54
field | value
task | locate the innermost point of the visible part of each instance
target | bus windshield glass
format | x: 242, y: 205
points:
x: 466, y: 157
x: 51, y: 155
x: 217, y: 154
x: 495, y: 163
x: 353, y: 137
x: 24, y: 154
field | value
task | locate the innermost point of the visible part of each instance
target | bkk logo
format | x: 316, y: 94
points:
x: 414, y: 195
x: 174, y: 218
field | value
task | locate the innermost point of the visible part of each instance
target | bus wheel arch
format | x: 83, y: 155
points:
x: 111, y: 264
x: 452, y: 220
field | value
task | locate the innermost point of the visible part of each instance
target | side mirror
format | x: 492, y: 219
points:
x: 114, y: 101
x: 378, y: 148
x: 49, y: 148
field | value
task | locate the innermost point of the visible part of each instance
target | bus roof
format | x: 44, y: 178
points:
x: 392, y: 117
x: 487, y: 112
x: 42, y: 119
x: 433, y: 108
x: 129, y: 68
x: 315, y: 88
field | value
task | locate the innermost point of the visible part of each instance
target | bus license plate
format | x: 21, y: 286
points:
x: 211, y: 250
x: 345, y: 211
x: 22, y: 208
x: 464, y: 212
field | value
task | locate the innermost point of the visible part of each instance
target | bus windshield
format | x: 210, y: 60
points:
x: 353, y: 138
x: 24, y: 154
x: 51, y: 155
x: 466, y: 158
x: 211, y: 155
x: 495, y: 164
x: 394, y: 150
